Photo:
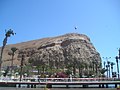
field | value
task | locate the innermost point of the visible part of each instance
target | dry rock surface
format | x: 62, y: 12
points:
x: 64, y: 49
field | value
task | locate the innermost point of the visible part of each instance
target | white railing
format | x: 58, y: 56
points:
x: 66, y: 79
x: 31, y: 79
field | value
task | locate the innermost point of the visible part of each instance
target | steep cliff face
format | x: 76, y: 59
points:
x: 57, y: 51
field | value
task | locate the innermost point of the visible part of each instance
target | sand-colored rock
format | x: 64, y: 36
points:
x: 65, y: 48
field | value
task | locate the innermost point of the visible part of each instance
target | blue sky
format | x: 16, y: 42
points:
x: 35, y: 19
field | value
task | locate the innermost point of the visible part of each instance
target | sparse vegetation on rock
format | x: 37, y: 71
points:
x: 71, y: 53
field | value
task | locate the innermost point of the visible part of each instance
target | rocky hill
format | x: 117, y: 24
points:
x: 57, y: 51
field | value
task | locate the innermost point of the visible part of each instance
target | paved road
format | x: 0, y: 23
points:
x: 10, y: 88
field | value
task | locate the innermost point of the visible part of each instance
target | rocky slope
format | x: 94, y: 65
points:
x: 65, y: 49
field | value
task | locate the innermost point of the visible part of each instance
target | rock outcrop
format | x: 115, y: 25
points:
x: 57, y: 51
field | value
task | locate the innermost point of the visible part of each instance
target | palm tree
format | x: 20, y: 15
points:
x: 104, y: 64
x: 112, y: 63
x: 74, y: 66
x: 107, y: 70
x: 27, y: 69
x: 13, y: 49
x: 93, y: 62
x: 91, y: 69
x: 80, y: 66
x: 102, y: 71
x: 68, y: 67
x: 117, y: 65
x: 30, y: 62
x: 85, y: 65
x: 37, y: 60
x: 21, y: 66
x: 108, y: 62
x: 95, y: 66
x: 7, y: 35
x: 22, y: 57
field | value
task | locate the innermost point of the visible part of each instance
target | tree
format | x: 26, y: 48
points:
x: 91, y: 70
x: 74, y: 66
x: 117, y: 65
x: 6, y: 71
x: 104, y: 64
x: 102, y: 71
x: 85, y: 70
x: 112, y: 64
x: 81, y: 66
x: 69, y: 68
x: 13, y: 50
x: 21, y: 55
x: 93, y: 62
x: 108, y: 63
x: 107, y: 70
x: 7, y: 35
x: 38, y: 62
